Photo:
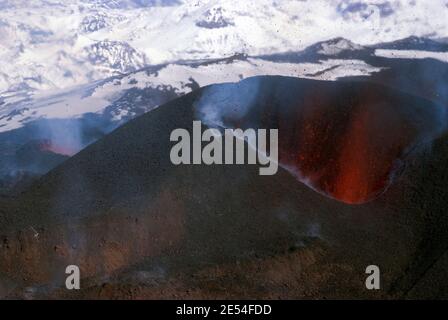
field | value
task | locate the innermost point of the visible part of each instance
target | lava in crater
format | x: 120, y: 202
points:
x: 343, y: 139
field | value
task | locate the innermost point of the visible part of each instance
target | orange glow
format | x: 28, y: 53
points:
x: 47, y: 145
x: 353, y: 183
x: 347, y: 153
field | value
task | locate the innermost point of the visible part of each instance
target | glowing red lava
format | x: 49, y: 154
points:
x: 344, y: 140
x: 48, y: 145
x: 347, y: 152
x: 356, y: 177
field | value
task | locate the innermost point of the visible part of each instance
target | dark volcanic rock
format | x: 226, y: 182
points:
x: 122, y: 211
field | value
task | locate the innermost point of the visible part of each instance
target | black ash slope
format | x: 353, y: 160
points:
x: 136, y: 223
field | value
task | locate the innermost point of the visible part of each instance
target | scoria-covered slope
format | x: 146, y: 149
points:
x: 140, y: 227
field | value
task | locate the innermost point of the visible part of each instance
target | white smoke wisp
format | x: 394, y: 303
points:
x: 227, y: 101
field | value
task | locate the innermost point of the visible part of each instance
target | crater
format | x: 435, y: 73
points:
x: 346, y: 140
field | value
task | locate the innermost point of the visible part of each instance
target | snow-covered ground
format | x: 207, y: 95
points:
x: 412, y: 54
x: 95, y: 97
x: 54, y: 44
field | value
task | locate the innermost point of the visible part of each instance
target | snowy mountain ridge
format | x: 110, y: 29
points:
x: 17, y: 109
x: 327, y: 60
x: 54, y: 44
